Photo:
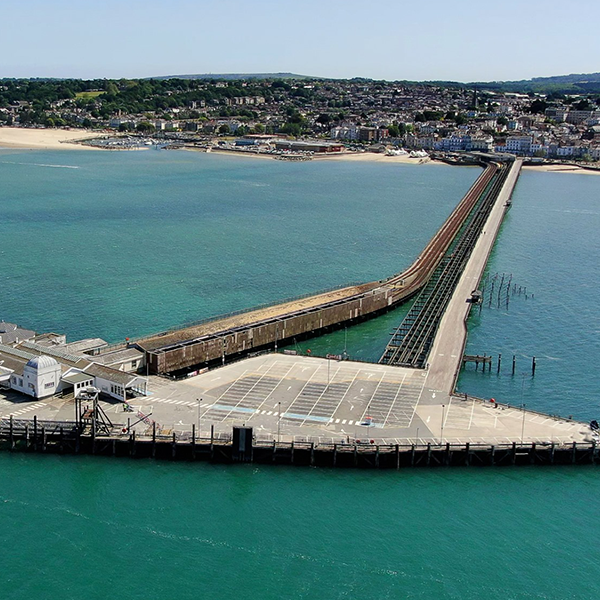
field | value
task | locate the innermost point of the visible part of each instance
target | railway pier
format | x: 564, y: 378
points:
x: 221, y: 340
x: 295, y: 409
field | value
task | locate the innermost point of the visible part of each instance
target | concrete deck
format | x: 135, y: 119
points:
x: 322, y: 401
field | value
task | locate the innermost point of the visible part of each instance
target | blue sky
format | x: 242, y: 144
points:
x: 464, y: 40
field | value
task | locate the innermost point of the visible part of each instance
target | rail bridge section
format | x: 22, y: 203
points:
x: 216, y: 341
x: 412, y: 341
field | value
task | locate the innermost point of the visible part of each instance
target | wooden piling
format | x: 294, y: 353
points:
x: 533, y: 367
x: 514, y: 363
x: 499, y: 362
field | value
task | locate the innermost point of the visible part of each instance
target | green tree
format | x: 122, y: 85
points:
x: 145, y: 127
x: 394, y: 131
x: 224, y: 129
x: 538, y: 106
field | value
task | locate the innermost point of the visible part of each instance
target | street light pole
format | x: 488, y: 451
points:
x: 279, y: 423
x: 522, y: 407
x: 442, y: 428
x: 198, y: 402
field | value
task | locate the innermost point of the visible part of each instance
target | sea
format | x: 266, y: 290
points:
x: 122, y: 244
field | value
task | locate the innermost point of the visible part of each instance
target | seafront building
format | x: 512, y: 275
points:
x: 46, y: 365
x: 364, y: 113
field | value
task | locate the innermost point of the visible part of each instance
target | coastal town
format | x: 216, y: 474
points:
x: 299, y: 118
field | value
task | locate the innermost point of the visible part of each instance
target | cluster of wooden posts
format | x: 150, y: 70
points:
x: 241, y: 447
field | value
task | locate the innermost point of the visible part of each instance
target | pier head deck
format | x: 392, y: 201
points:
x: 321, y: 401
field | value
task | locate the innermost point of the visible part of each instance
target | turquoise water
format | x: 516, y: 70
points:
x: 134, y: 242
x: 123, y: 244
x: 550, y: 243
x: 103, y: 528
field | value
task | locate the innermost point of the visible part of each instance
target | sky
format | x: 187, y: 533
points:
x: 463, y: 40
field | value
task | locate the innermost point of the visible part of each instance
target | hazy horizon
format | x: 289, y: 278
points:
x: 465, y: 41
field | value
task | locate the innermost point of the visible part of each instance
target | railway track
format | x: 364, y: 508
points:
x: 410, y: 344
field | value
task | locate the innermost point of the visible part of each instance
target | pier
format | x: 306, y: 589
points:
x: 293, y: 409
x: 221, y: 340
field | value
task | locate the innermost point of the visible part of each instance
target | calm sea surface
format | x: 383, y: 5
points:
x: 122, y: 244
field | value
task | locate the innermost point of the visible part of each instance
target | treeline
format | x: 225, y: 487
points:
x: 129, y: 95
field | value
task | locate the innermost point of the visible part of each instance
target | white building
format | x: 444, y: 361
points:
x: 41, y: 377
x: 519, y: 144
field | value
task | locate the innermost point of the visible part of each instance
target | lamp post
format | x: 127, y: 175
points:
x: 522, y: 407
x: 198, y: 402
x: 279, y: 423
x: 442, y: 427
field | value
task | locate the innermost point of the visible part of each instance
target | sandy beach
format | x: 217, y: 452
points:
x: 44, y: 139
x: 557, y: 168
x: 65, y: 139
